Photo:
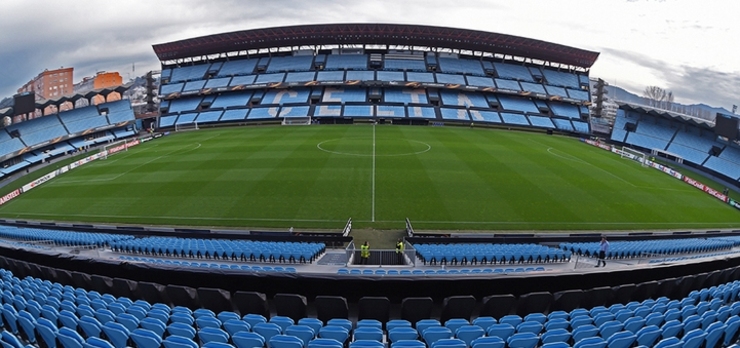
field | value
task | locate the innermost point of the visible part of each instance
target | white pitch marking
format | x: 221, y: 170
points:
x: 372, y: 214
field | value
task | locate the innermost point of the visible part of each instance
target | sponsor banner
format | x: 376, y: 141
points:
x: 597, y: 144
x: 9, y: 196
x: 705, y: 188
x: 123, y: 146
x: 62, y: 170
x: 39, y: 181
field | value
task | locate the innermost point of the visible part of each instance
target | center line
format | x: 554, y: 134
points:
x: 373, y: 180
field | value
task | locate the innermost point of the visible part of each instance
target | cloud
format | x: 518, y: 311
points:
x: 690, y: 85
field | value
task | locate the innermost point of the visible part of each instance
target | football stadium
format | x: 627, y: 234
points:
x: 368, y: 186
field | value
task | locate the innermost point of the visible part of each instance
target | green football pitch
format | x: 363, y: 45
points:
x: 316, y: 177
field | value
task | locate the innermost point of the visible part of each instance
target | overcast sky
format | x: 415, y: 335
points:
x: 688, y: 46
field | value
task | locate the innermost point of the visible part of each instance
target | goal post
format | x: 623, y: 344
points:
x: 186, y: 127
x: 635, y: 155
x: 296, y: 121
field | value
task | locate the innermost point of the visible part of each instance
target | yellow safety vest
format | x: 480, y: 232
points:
x: 399, y: 247
x: 364, y: 250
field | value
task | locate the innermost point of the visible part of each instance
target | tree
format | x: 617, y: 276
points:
x: 658, y: 97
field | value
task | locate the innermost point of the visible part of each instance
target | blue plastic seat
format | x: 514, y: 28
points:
x: 590, y: 342
x: 181, y: 329
x: 207, y: 321
x: 556, y: 345
x: 714, y: 334
x: 282, y: 321
x: 469, y: 333
x: 304, y: 332
x: 314, y: 323
x: 511, y: 319
x: 648, y: 335
x: 233, y: 326
x: 28, y: 325
x: 408, y: 344
x: 324, y: 343
x: 621, y: 339
x: 584, y: 331
x: 117, y: 333
x: 11, y: 317
x: 366, y: 344
x: 488, y: 342
x: 345, y: 323
x: 533, y: 327
x: 153, y: 324
x: 267, y: 330
x: 144, y: 338
x: 455, y: 323
x: 523, y: 340
x: 402, y: 333
x: 449, y: 343
x: 436, y: 333
x: 501, y: 330
x: 96, y: 342
x: 254, y: 319
x: 90, y: 326
x: 732, y: 324
x: 670, y: 342
x: 212, y: 334
x: 48, y: 331
x: 130, y: 321
x: 369, y: 333
x: 671, y: 328
x: 694, y: 338
x: 175, y: 341
x: 338, y: 333
x: 217, y: 345
x: 69, y: 338
x: 68, y: 319
x: 244, y: 339
x: 285, y: 341
x: 370, y: 323
x: 394, y: 323
x: 555, y: 335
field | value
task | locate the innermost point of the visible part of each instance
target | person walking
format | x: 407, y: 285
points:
x: 399, y: 251
x: 364, y: 253
x: 603, y: 249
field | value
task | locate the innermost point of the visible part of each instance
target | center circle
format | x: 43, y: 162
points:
x: 363, y: 147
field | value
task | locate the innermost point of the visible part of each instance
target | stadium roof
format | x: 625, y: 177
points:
x: 699, y: 122
x: 382, y: 34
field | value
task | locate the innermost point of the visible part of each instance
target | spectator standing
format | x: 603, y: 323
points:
x: 603, y: 249
x: 364, y: 253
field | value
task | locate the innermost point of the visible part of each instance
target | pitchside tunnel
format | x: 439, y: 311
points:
x: 118, y: 286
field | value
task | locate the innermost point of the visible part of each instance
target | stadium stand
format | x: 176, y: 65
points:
x: 513, y: 72
x: 222, y: 249
x: 290, y: 63
x: 189, y: 73
x: 78, y: 120
x: 39, y: 130
x: 488, y: 253
x: 633, y: 249
x: 517, y: 104
x: 540, y: 121
x: 404, y: 64
x: 460, y: 66
x: 514, y: 119
x: 346, y: 62
x: 40, y: 310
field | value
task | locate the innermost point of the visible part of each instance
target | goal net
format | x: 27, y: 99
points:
x: 296, y: 121
x: 634, y: 155
x: 186, y: 127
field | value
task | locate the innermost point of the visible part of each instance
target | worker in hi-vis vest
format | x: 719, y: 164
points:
x: 399, y: 251
x: 364, y: 253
